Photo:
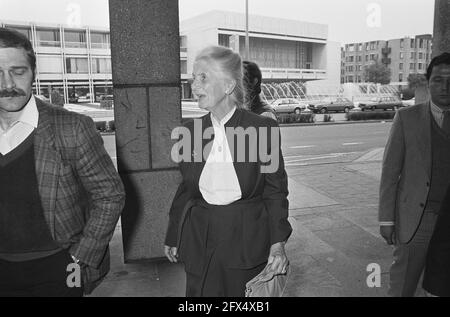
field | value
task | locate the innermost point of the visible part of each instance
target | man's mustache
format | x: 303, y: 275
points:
x: 15, y: 92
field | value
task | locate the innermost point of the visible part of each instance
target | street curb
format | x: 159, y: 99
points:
x: 331, y: 123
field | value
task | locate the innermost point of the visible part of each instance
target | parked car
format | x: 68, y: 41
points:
x: 332, y: 104
x: 288, y: 105
x: 384, y: 103
x: 410, y: 102
x: 73, y: 98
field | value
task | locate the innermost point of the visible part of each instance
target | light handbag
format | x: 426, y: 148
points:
x: 267, y: 285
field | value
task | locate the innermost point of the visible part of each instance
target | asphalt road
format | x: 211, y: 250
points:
x: 319, y: 144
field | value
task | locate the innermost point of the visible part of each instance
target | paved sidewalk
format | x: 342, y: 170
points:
x: 334, y: 216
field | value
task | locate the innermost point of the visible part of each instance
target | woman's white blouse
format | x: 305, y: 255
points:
x: 218, y: 183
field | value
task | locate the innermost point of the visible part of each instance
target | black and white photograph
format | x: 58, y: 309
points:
x: 238, y: 152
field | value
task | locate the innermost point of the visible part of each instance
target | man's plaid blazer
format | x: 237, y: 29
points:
x: 81, y: 192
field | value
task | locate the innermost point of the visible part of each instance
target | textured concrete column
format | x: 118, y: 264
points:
x: 145, y: 54
x: 441, y: 36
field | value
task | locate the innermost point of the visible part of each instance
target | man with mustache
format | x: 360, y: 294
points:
x: 415, y: 176
x: 60, y: 195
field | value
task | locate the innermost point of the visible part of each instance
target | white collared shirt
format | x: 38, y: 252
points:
x: 218, y: 183
x: 438, y: 114
x: 20, y: 129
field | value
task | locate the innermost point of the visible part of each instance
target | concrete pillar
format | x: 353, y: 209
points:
x: 145, y: 53
x: 441, y: 36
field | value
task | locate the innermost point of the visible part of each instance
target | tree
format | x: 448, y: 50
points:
x: 416, y: 80
x: 377, y: 73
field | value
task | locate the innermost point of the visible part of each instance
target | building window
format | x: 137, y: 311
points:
x: 183, y: 43
x: 183, y: 67
x: 412, y: 66
x: 76, y: 65
x: 402, y: 55
x: 412, y: 43
x: 419, y: 66
x: 402, y: 43
x: 351, y: 48
x: 74, y: 39
x: 48, y: 37
x: 367, y: 46
x: 360, y: 47
x: 224, y: 40
x: 421, y: 43
x: 400, y: 77
x: 420, y: 55
x: 413, y: 55
x: 101, y: 66
x: 100, y: 40
x: 367, y: 58
x: 351, y: 59
x: 49, y: 64
x: 372, y: 57
x: 350, y: 79
x: 400, y: 66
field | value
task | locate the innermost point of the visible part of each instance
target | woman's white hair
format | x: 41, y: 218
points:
x: 230, y: 63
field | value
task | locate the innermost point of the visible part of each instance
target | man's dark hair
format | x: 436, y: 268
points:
x: 252, y: 72
x: 12, y: 38
x: 444, y: 58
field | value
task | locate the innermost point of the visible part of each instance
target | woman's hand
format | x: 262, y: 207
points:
x: 278, y: 261
x: 171, y: 253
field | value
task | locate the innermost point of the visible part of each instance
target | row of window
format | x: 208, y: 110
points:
x: 353, y: 59
x: 72, y: 38
x: 413, y: 55
x: 359, y: 47
x: 419, y: 43
x: 74, y: 65
x: 413, y: 43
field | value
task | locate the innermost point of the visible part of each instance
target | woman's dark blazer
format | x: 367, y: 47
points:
x: 272, y: 188
x: 437, y: 269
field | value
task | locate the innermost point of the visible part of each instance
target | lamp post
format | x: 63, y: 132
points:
x: 247, y: 40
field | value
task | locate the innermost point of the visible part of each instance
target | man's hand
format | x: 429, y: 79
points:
x: 171, y: 253
x: 388, y: 234
x: 278, y: 261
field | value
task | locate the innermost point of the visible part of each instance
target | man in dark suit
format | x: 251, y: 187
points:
x: 60, y: 195
x: 415, y: 175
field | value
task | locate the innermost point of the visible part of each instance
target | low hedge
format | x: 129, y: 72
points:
x: 370, y: 115
x: 297, y: 118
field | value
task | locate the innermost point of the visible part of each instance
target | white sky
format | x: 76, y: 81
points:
x: 347, y: 19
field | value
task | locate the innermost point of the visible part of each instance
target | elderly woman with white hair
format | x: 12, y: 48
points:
x: 229, y: 218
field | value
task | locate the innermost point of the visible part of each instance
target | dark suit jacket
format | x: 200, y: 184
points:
x: 406, y: 172
x: 437, y: 269
x: 81, y: 193
x: 271, y: 187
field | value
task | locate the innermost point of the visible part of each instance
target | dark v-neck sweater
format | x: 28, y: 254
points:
x: 24, y: 233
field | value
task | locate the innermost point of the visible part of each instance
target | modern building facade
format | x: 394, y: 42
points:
x: 285, y: 50
x: 409, y: 55
x: 77, y: 61
x: 74, y: 61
